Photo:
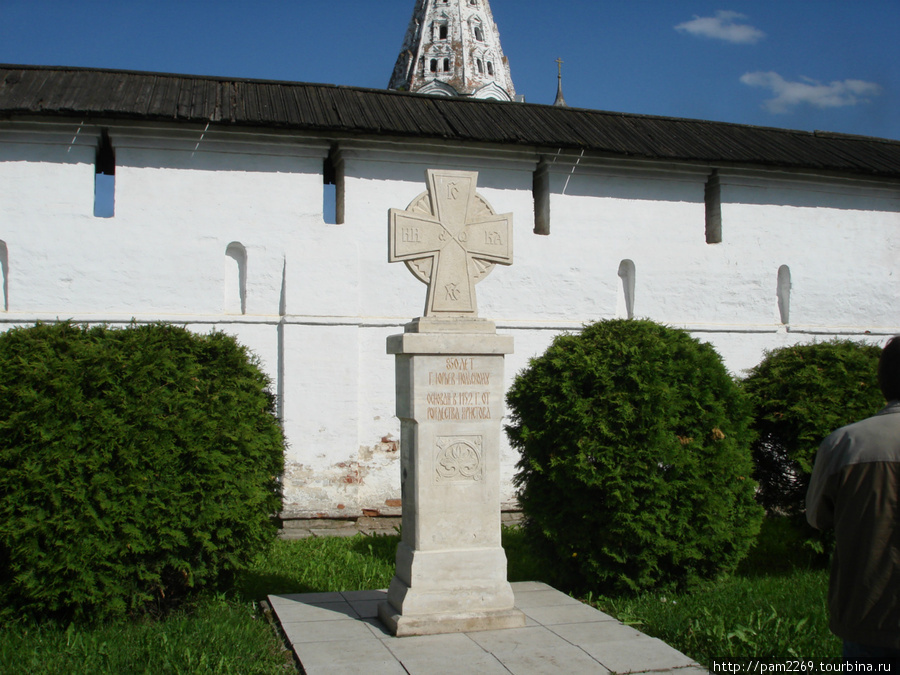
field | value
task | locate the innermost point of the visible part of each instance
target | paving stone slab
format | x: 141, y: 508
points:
x: 523, y: 586
x: 363, y: 657
x: 378, y: 629
x: 638, y: 655
x: 357, y: 596
x: 321, y: 611
x: 326, y: 631
x: 561, y: 661
x: 366, y: 609
x: 595, y: 633
x: 543, y: 598
x: 516, y: 639
x: 339, y: 634
x: 557, y: 614
x: 438, y: 654
x: 306, y: 598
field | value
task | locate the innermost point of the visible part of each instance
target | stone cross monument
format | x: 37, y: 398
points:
x: 451, y: 568
x: 450, y: 239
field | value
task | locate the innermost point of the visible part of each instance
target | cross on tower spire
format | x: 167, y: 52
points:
x: 560, y: 101
x: 452, y: 48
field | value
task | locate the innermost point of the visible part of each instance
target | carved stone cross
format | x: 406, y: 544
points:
x: 450, y: 239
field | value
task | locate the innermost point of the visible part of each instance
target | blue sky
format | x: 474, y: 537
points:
x: 802, y: 64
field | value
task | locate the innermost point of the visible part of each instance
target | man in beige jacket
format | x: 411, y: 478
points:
x: 855, y: 488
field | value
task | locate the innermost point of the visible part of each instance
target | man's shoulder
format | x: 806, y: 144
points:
x: 887, y: 417
x: 872, y: 439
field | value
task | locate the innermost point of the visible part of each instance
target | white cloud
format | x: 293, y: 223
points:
x: 791, y: 94
x: 723, y: 26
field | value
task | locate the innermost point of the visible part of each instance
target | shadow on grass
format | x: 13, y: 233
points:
x: 784, y: 545
x: 255, y: 585
x: 381, y: 547
x: 522, y: 561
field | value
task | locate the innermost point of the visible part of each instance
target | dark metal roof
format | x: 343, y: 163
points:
x: 115, y: 94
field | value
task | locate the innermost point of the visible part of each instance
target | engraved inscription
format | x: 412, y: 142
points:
x: 458, y: 459
x: 459, y: 397
x: 451, y: 379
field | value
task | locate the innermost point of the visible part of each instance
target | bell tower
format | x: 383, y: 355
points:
x: 452, y: 48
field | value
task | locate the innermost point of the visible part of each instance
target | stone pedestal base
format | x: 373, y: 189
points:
x: 451, y: 568
x: 449, y: 591
x: 402, y: 625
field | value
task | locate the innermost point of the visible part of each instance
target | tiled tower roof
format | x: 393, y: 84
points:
x: 452, y: 48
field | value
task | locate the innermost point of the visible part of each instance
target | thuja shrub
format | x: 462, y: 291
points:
x: 136, y: 465
x: 635, y: 467
x: 800, y: 394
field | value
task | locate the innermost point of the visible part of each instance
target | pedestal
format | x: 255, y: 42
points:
x: 451, y: 567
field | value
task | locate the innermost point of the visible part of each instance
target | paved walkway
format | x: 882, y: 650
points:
x: 339, y: 634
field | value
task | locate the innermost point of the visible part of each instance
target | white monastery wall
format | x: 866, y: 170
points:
x: 226, y: 231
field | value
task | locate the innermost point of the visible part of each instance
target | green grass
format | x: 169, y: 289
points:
x: 215, y: 635
x: 773, y: 606
x: 780, y: 616
x: 222, y: 633
x: 321, y: 564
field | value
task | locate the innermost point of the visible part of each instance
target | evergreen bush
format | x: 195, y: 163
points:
x: 136, y: 465
x: 800, y: 394
x: 635, y: 464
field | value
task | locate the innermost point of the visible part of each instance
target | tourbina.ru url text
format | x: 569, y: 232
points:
x: 770, y: 666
